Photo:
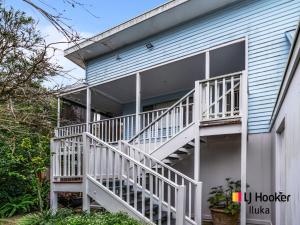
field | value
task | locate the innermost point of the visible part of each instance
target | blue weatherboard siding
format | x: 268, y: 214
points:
x: 264, y: 22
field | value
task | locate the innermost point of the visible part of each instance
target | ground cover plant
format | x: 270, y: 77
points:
x: 67, y: 216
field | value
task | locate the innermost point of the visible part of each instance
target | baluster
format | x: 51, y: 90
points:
x: 135, y: 186
x: 101, y: 162
x: 190, y: 200
x: 207, y: 100
x: 73, y: 158
x: 151, y: 196
x: 95, y: 159
x: 69, y: 157
x: 128, y: 181
x: 126, y: 128
x: 180, y: 116
x: 121, y: 162
x: 148, y: 119
x: 114, y: 172
x: 109, y: 130
x: 112, y: 129
x: 116, y: 129
x: 133, y: 130
x: 232, y: 96
x: 64, y: 159
x: 167, y: 126
x: 187, y: 119
x: 107, y: 166
x: 169, y: 205
x: 161, y: 131
x: 216, y: 99
x: 160, y: 201
x: 224, y: 98
x: 240, y: 93
x: 143, y: 190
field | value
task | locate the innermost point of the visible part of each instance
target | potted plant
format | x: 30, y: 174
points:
x: 223, y: 210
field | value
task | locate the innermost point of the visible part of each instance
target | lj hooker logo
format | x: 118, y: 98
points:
x: 250, y: 198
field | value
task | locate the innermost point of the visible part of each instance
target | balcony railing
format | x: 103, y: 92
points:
x: 220, y: 97
x: 213, y: 99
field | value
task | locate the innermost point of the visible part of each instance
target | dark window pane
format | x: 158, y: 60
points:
x: 228, y: 59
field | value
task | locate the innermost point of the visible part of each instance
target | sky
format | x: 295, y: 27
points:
x: 96, y: 16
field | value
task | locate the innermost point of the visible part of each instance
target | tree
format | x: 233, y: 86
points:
x: 25, y: 64
x: 27, y: 112
x: 24, y: 57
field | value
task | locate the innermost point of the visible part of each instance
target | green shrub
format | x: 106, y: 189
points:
x: 68, y: 217
x: 21, y: 204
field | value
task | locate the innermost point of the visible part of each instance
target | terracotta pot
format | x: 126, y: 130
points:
x: 219, y: 217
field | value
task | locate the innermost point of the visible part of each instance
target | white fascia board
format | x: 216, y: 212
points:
x: 164, y: 17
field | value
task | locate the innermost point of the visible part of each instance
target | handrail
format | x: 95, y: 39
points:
x: 160, y: 162
x: 72, y: 125
x: 162, y: 115
x: 133, y: 160
x: 106, y: 165
x: 193, y: 195
x: 112, y: 118
x: 220, y: 77
x: 67, y: 137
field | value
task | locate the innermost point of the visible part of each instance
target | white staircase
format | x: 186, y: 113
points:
x: 136, y: 176
x: 126, y: 179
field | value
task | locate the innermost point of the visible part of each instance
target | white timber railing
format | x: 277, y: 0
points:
x: 126, y: 178
x: 147, y: 117
x: 67, y: 157
x: 193, y: 188
x: 220, y: 97
x: 114, y: 129
x: 216, y: 99
x: 167, y: 125
x: 70, y: 130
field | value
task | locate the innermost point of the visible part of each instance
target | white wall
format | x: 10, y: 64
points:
x: 290, y: 111
x: 221, y: 158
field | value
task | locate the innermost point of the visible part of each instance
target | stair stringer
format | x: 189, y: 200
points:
x: 174, y: 143
x: 111, y: 202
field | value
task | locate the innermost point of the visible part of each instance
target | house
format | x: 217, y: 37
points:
x: 175, y: 101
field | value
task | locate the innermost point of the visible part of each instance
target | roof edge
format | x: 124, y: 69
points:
x: 122, y: 26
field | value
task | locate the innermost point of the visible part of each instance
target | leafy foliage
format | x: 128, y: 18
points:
x: 65, y: 216
x: 221, y: 196
x: 27, y: 112
x: 21, y: 204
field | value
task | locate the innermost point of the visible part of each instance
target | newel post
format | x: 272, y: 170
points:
x: 88, y: 109
x: 198, y: 203
x: 85, y: 156
x: 244, y: 142
x: 180, y: 205
x: 53, y: 193
x: 137, y: 103
x: 197, y: 117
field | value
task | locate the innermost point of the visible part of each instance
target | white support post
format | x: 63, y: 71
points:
x: 180, y: 205
x: 58, y: 112
x: 88, y: 109
x: 138, y: 103
x: 197, y: 117
x: 85, y: 197
x: 207, y: 65
x: 53, y: 193
x: 244, y: 137
x: 198, y: 203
